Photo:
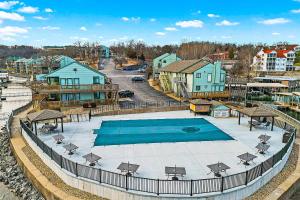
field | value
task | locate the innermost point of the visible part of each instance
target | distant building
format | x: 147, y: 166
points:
x: 274, y: 60
x: 73, y: 85
x: 54, y: 48
x: 42, y: 65
x: 104, y: 52
x: 219, y: 56
x: 293, y: 83
x: 162, y: 61
x: 186, y: 77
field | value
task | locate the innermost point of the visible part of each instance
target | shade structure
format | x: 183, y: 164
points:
x: 45, y: 115
x: 256, y: 112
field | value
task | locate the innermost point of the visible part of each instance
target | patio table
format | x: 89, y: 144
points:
x: 174, y: 171
x: 128, y: 168
x: 92, y: 158
x: 262, y: 148
x: 217, y: 168
x: 246, y: 158
x: 71, y: 148
x: 264, y: 138
x: 58, y: 138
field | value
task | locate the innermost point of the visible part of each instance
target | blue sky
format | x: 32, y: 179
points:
x: 61, y: 22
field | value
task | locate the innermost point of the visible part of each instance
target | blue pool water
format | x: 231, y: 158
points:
x: 157, y: 131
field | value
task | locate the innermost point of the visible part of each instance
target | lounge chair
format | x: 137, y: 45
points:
x: 266, y: 125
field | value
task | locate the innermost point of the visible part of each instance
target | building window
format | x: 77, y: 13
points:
x: 198, y: 75
x: 164, y: 61
x: 198, y: 87
x: 222, y: 78
x: 205, y: 86
x: 96, y: 80
x: 208, y: 77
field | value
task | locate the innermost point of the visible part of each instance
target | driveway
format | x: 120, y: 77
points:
x: 142, y: 91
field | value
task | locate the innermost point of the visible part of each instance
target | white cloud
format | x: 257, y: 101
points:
x: 226, y: 37
x: 11, y: 16
x: 113, y: 40
x: 125, y: 19
x: 28, y: 9
x: 274, y: 21
x: 160, y: 33
x: 297, y: 0
x: 123, y: 38
x: 213, y: 15
x: 8, y: 33
x: 100, y: 37
x: 152, y: 20
x: 227, y: 23
x: 98, y: 24
x: 51, y: 28
x: 190, y: 24
x: 275, y: 33
x: 291, y: 36
x: 79, y: 38
x: 132, y: 19
x: 48, y: 10
x: 296, y: 11
x: 40, y: 18
x: 83, y: 28
x: 171, y: 29
x: 6, y: 5
x: 1, y: 21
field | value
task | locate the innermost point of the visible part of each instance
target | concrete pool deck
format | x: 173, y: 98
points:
x: 153, y: 158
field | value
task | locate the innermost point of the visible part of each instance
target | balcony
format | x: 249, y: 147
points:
x: 57, y: 105
x: 90, y: 88
x: 212, y: 95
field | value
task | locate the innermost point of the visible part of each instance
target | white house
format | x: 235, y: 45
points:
x: 274, y: 60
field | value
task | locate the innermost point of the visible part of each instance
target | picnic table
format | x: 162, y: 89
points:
x: 255, y: 123
x: 262, y: 148
x: 217, y: 168
x: 58, y: 138
x: 246, y: 158
x: 174, y: 171
x: 92, y: 158
x: 71, y: 148
x: 264, y: 138
x: 128, y: 168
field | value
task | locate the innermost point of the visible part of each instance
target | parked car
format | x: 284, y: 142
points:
x: 141, y: 70
x: 138, y: 79
x: 126, y: 94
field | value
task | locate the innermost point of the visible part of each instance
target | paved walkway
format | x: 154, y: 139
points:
x: 44, y: 179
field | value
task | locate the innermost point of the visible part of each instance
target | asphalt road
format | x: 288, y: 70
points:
x: 142, y: 91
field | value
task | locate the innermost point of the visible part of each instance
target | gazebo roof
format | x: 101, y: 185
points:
x: 44, y: 115
x: 200, y: 102
x: 257, y: 112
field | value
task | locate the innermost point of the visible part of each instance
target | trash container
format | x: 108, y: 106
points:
x: 286, y: 136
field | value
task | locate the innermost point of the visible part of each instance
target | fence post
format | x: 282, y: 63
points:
x: 191, y: 187
x: 60, y: 161
x: 100, y: 176
x: 222, y: 184
x: 126, y: 182
x: 51, y: 153
x: 261, y: 169
x: 76, y: 169
x: 246, y: 179
x: 157, y: 187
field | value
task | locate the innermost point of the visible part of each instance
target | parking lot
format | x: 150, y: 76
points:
x: 142, y: 91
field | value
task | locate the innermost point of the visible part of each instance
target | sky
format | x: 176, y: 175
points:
x: 63, y: 22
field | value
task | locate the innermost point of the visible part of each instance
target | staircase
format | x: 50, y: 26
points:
x: 165, y: 83
x: 183, y: 90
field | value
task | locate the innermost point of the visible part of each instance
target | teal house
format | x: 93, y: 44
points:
x: 74, y: 84
x: 104, y: 51
x: 162, y: 61
x: 186, y: 77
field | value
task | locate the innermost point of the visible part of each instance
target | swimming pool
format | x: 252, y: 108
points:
x: 117, y: 132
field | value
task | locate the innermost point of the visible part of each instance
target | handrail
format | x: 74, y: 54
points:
x: 161, y: 186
